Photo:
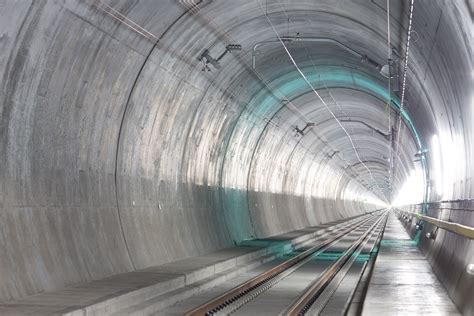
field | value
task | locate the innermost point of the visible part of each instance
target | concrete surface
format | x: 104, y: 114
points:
x: 402, y: 281
x: 117, y: 153
x: 449, y: 254
x: 154, y: 288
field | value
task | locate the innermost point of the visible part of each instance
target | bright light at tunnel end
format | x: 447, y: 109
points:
x: 412, y: 190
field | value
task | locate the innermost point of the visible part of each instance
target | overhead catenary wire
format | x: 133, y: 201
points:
x: 326, y: 105
x: 328, y: 91
x: 329, y: 94
x: 124, y: 20
x: 322, y: 100
x: 335, y: 101
x: 116, y: 15
x: 225, y: 35
x: 193, y: 9
x: 289, y: 104
x: 191, y: 6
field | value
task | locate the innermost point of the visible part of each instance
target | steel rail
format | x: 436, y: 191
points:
x: 233, y: 295
x: 304, y: 302
x: 463, y: 230
x: 366, y: 268
x: 320, y: 303
x: 227, y: 310
x: 308, y: 39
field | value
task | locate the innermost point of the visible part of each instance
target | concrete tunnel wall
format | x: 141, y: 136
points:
x: 119, y: 153
x: 449, y: 253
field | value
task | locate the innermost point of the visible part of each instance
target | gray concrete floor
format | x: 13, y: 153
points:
x: 150, y: 282
x: 403, y: 282
x: 117, y: 292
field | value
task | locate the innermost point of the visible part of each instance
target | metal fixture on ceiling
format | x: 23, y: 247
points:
x: 386, y: 136
x: 389, y: 71
x: 288, y: 39
x: 207, y: 59
x: 385, y: 70
x: 332, y: 155
x: 382, y: 195
x: 420, y: 155
x: 301, y: 132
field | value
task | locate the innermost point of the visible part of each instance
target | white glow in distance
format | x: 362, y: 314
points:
x: 412, y: 190
x: 448, y: 161
x: 472, y: 112
x: 435, y: 155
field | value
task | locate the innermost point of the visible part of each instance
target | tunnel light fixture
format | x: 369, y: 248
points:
x: 470, y: 268
x: 431, y: 235
x: 385, y: 71
x: 419, y: 225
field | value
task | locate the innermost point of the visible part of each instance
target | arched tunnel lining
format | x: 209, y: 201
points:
x: 68, y: 174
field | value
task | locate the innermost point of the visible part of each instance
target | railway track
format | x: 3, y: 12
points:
x: 306, y: 302
x: 241, y: 295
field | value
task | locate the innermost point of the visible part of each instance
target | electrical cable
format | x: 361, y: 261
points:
x: 322, y: 100
x: 225, y: 35
x: 193, y: 9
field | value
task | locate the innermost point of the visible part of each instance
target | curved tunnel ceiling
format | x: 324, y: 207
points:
x: 113, y: 133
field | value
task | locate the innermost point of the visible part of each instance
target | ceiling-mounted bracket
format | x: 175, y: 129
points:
x: 301, y: 131
x: 207, y: 59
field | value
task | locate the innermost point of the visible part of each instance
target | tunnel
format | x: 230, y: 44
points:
x: 147, y: 147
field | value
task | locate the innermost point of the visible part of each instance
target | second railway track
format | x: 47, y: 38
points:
x: 236, y: 298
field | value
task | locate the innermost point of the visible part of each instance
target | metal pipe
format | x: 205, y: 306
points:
x: 463, y: 230
x: 314, y: 39
x: 386, y: 136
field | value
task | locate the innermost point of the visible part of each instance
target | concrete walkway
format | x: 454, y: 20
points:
x: 403, y: 282
x: 123, y: 291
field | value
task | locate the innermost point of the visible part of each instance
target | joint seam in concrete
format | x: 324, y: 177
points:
x: 119, y: 136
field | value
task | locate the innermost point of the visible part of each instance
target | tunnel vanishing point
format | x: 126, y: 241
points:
x: 252, y: 157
